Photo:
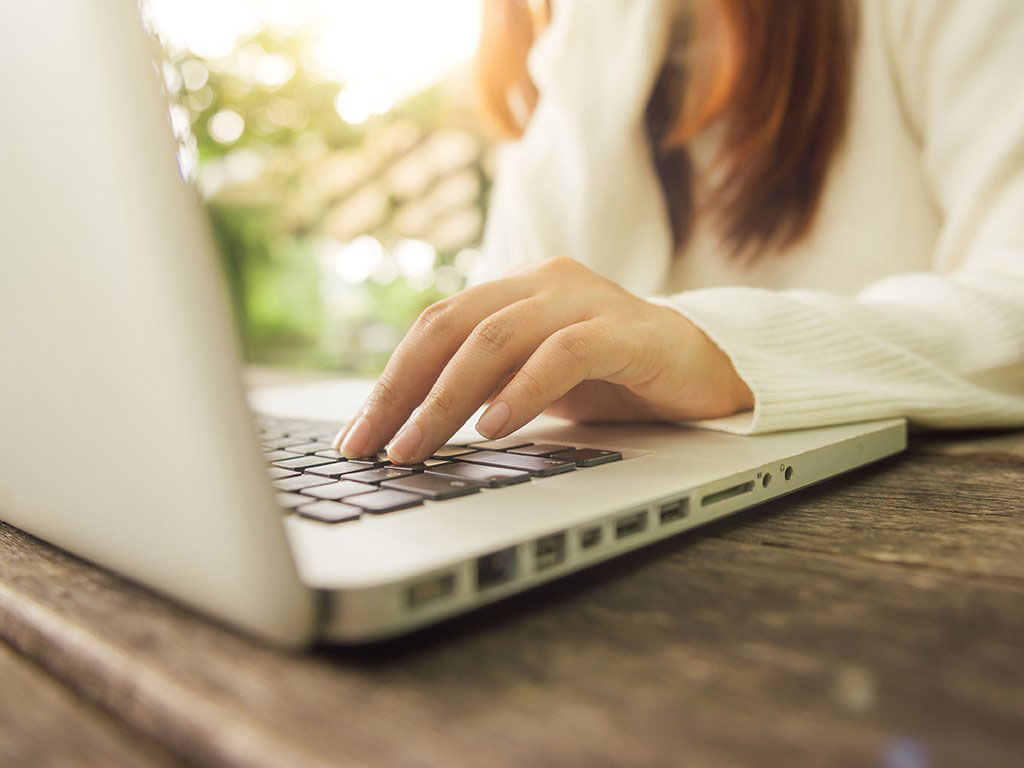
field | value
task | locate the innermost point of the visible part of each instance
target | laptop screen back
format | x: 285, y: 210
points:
x: 123, y: 432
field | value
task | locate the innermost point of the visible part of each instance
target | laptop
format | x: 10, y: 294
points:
x: 126, y: 438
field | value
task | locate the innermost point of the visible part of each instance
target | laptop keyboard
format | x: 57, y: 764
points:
x: 315, y: 481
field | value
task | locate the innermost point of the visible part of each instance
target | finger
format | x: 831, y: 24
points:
x: 419, y: 359
x: 578, y: 353
x: 496, y: 348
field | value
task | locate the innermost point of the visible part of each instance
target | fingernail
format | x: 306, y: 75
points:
x: 406, y: 442
x: 354, y: 444
x: 494, y: 419
x: 336, y: 443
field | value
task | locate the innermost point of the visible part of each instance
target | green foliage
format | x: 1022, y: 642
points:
x: 274, y: 116
x: 268, y: 215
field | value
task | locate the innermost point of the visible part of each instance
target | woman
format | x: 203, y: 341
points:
x: 822, y: 204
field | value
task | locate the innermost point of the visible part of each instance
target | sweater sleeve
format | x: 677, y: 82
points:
x: 943, y: 348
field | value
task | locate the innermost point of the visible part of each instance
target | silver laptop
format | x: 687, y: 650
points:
x: 124, y: 431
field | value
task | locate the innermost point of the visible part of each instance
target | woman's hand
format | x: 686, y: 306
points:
x: 554, y: 337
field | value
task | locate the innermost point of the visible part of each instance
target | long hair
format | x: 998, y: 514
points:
x: 774, y: 76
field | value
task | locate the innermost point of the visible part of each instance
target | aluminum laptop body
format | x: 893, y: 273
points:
x: 125, y: 436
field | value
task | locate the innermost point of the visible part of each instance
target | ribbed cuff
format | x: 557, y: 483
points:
x: 807, y: 366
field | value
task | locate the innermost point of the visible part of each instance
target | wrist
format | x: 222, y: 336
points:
x: 712, y: 381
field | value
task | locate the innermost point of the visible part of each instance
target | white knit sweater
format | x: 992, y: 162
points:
x: 907, y: 297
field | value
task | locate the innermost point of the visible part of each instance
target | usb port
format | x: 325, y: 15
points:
x: 429, y: 590
x: 630, y: 524
x: 549, y: 551
x: 496, y: 568
x: 673, y: 510
x: 590, y: 537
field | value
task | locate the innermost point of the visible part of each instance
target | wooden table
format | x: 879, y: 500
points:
x: 876, y: 620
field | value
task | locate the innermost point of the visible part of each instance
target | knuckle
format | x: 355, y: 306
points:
x: 573, y: 345
x: 531, y: 384
x: 561, y: 265
x: 386, y: 392
x: 440, y: 403
x: 438, y: 319
x: 493, y: 335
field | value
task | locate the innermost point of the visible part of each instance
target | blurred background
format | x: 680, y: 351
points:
x: 337, y: 148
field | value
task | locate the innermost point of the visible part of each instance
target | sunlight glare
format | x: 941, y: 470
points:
x: 381, y: 51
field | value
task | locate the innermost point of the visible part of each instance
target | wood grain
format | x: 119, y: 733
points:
x: 43, y: 723
x: 875, y: 620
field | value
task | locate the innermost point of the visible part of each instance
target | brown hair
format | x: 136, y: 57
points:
x: 776, y: 76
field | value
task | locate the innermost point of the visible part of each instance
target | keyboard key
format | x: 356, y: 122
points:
x: 450, y: 451
x: 544, y: 449
x: 330, y: 512
x: 501, y: 444
x: 283, y: 442
x: 588, y: 457
x: 277, y: 473
x: 332, y: 454
x: 290, y: 426
x: 302, y: 462
x: 387, y: 500
x: 378, y: 460
x: 432, y: 486
x: 278, y: 455
x: 337, y: 469
x: 300, y: 482
x: 338, y: 490
x: 295, y: 425
x: 314, y: 433
x: 291, y: 500
x: 489, y: 477
x: 379, y: 475
x: 310, y: 447
x: 435, y: 463
x: 535, y: 465
x: 411, y: 467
